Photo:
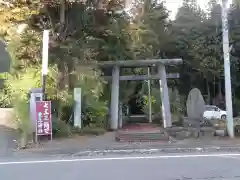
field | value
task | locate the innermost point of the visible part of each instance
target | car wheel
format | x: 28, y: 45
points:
x: 223, y: 117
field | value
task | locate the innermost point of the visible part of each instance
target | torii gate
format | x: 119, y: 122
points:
x: 161, y: 75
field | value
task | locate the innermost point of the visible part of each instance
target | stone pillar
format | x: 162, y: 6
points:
x: 166, y: 113
x: 114, y: 98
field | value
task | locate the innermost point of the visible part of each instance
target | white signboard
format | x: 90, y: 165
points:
x: 78, y: 106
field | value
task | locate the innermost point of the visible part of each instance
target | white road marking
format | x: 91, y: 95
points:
x: 139, y: 150
x: 117, y: 158
x: 232, y: 157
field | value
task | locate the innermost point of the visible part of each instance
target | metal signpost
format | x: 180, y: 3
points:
x: 43, y: 119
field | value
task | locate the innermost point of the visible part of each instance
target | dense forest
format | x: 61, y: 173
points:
x: 96, y: 30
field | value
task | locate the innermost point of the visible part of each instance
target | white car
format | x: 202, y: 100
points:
x: 213, y: 112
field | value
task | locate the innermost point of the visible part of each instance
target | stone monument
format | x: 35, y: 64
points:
x: 195, y: 109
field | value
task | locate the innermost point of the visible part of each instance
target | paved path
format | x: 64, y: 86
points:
x: 164, y: 167
x: 107, y: 141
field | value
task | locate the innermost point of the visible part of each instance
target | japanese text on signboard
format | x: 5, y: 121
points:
x: 44, y: 119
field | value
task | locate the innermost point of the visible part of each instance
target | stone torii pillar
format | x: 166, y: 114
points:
x: 166, y: 113
x: 138, y: 63
x: 114, y: 98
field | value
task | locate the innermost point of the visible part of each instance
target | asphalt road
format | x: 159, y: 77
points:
x: 158, y: 167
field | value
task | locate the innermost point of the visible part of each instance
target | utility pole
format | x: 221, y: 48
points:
x: 227, y: 73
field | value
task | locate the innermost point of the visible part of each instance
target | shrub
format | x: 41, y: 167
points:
x: 60, y: 128
x: 17, y: 87
x: 94, y: 109
x: 21, y: 109
x: 176, y: 104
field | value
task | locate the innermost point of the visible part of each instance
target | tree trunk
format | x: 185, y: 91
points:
x: 220, y: 89
x: 62, y: 12
x: 61, y: 68
x: 61, y: 73
x: 71, y: 74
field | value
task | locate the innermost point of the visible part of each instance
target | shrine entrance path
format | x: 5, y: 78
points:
x: 106, y: 144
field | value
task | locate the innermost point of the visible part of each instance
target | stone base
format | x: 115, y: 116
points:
x: 141, y: 137
x: 237, y: 130
x: 189, y: 132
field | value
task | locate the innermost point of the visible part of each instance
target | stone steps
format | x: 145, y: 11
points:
x: 137, y: 119
x: 141, y: 136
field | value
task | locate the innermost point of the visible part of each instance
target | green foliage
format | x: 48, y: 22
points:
x: 19, y: 48
x: 94, y: 109
x: 176, y: 102
x: 18, y: 86
x: 21, y: 108
x: 155, y: 101
x: 61, y: 128
x: 17, y: 89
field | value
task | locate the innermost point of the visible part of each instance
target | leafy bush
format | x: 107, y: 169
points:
x: 94, y: 109
x: 155, y: 100
x: 16, y: 89
x: 176, y: 103
x: 60, y: 128
x: 95, y: 113
x: 21, y: 109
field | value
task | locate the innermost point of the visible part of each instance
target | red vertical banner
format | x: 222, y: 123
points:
x: 43, y: 118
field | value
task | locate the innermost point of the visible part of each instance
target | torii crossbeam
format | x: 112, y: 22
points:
x: 161, y: 75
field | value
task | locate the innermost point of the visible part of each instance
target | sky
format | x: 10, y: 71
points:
x: 173, y: 5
